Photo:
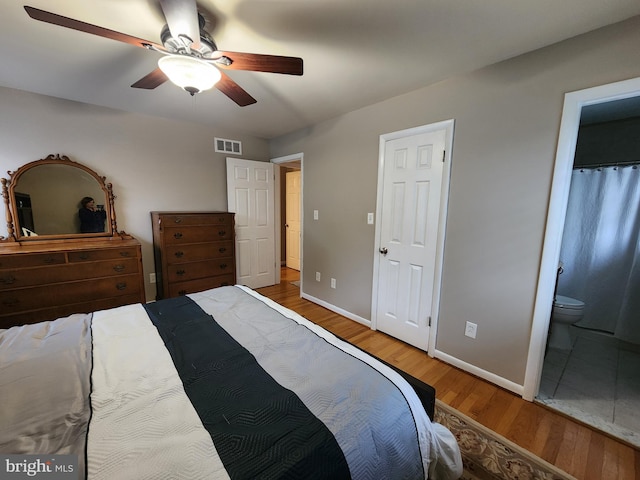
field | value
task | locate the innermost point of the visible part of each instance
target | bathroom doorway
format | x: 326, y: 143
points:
x: 595, y: 382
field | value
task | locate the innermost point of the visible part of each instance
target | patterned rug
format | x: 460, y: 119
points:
x: 489, y: 456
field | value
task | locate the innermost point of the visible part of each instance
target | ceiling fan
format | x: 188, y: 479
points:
x: 190, y: 58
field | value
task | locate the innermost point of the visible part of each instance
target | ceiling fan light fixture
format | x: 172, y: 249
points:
x: 189, y: 73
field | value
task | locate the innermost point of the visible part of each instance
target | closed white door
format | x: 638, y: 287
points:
x: 292, y: 221
x: 250, y: 195
x: 409, y: 211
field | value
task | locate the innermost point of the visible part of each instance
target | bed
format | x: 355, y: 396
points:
x: 220, y: 384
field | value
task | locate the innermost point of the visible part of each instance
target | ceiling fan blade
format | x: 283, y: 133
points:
x: 257, y: 62
x: 152, y: 80
x: 67, y: 22
x: 182, y: 18
x: 234, y: 91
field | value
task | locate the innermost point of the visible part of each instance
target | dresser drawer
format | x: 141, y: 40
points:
x: 51, y: 313
x: 174, y: 219
x: 197, y: 252
x: 31, y: 260
x: 17, y: 278
x: 189, y: 271
x: 104, y: 254
x: 208, y: 233
x: 32, y: 298
x: 182, y: 288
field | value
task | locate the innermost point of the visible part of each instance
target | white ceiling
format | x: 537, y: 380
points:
x: 356, y: 52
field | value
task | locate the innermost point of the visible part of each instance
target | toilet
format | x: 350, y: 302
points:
x: 566, y: 312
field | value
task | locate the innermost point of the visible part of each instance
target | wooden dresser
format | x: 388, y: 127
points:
x: 44, y: 280
x: 193, y: 251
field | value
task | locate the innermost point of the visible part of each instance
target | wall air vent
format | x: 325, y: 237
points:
x: 224, y: 145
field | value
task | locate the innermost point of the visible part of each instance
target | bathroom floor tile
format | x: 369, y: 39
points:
x: 590, y: 403
x: 626, y: 414
x: 556, y: 358
x: 591, y: 352
x: 599, y: 383
x: 629, y: 367
x: 547, y: 388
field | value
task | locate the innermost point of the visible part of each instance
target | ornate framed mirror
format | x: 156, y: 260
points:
x: 45, y: 199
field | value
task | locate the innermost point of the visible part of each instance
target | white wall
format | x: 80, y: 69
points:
x: 507, y: 118
x: 153, y: 163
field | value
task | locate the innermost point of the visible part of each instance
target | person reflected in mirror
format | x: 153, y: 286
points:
x: 92, y: 216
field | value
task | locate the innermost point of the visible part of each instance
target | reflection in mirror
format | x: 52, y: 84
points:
x: 48, y: 198
x: 44, y: 198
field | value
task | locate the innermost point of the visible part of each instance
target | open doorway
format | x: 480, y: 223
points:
x: 607, y: 102
x: 288, y: 216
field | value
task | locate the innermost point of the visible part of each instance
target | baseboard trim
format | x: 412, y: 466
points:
x: 462, y: 365
x: 479, y: 372
x: 337, y: 310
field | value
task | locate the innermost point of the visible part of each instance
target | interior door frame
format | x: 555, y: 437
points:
x: 446, y: 125
x: 282, y: 161
x: 558, y: 201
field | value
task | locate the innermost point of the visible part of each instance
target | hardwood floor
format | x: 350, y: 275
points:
x: 577, y: 449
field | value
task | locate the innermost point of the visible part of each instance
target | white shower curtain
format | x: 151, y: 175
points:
x: 601, y: 250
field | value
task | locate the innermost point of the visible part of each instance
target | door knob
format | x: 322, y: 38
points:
x: 384, y: 250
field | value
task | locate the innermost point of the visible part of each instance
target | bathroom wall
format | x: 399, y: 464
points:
x: 616, y: 141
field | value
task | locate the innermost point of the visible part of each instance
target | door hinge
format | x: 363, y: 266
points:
x: 444, y: 154
x: 429, y: 321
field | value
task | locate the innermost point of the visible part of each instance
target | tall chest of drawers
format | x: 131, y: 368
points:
x: 193, y: 251
x: 46, y: 280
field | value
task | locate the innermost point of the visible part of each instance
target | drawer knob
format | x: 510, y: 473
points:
x: 177, y: 235
x: 179, y: 254
x: 8, y: 280
x: 222, y: 233
x: 222, y: 249
x: 49, y: 260
x: 118, y: 268
x: 223, y: 266
x: 178, y: 220
x: 181, y: 272
x: 84, y: 256
x: 125, y: 254
x: 182, y: 292
x: 121, y: 285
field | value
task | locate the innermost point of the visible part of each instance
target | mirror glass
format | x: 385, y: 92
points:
x: 46, y: 198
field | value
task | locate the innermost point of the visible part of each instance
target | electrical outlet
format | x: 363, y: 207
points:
x: 317, y: 276
x: 152, y: 278
x: 315, y: 214
x: 333, y: 283
x: 370, y: 218
x: 471, y: 329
